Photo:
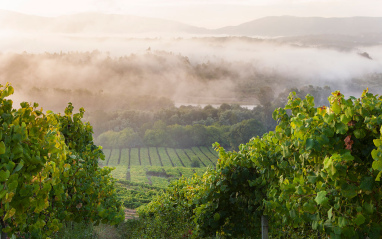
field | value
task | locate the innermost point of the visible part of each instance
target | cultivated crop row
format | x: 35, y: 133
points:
x: 164, y: 157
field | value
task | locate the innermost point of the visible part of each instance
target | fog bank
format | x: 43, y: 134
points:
x: 109, y: 72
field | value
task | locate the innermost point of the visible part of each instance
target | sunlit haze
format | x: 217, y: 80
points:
x: 207, y: 13
x: 185, y: 50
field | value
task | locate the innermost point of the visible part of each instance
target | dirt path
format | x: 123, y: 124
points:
x: 130, y: 214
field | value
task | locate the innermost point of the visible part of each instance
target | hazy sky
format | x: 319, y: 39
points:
x: 203, y: 13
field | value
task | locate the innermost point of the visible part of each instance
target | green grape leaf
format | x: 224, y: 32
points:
x: 310, y: 99
x: 330, y: 213
x: 321, y: 198
x: 309, y: 207
x: 368, y: 208
x: 347, y: 156
x: 342, y: 222
x: 310, y: 144
x: 378, y: 178
x: 4, y: 175
x: 13, y: 185
x: 18, y: 167
x: 345, y: 119
x: 375, y: 154
x: 292, y: 213
x: 341, y: 128
x: 336, y: 107
x: 328, y: 132
x: 2, y: 147
x: 359, y: 133
x: 367, y: 183
x: 10, y: 165
x: 377, y: 142
x: 216, y: 216
x: 300, y: 190
x: 329, y: 166
x: 337, y: 230
x: 315, y: 225
x: 2, y: 193
x: 377, y: 165
x: 328, y: 118
x: 312, y: 179
x: 360, y: 219
x: 9, y: 214
x: 349, y: 193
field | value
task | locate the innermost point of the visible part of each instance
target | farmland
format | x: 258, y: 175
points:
x: 145, y: 172
x: 157, y: 166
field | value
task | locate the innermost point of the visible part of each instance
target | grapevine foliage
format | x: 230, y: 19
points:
x: 49, y: 171
x: 318, y: 173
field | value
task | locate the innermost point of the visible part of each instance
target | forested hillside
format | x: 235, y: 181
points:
x: 192, y: 126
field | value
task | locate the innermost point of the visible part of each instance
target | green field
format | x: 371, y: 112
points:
x: 134, y: 157
x: 206, y: 160
x: 158, y: 156
x: 165, y: 158
x: 138, y: 166
x: 175, y: 159
x: 155, y: 161
x: 145, y: 160
x: 186, y: 161
x: 124, y: 157
x: 210, y: 153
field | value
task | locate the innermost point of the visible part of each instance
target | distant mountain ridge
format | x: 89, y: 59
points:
x: 92, y: 23
x: 301, y: 26
x: 286, y: 26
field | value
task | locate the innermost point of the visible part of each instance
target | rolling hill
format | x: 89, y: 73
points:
x: 97, y: 23
x: 288, y: 26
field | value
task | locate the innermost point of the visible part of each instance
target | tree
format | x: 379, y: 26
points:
x: 179, y: 136
x: 244, y: 131
x: 127, y: 138
x: 106, y: 139
x: 155, y: 137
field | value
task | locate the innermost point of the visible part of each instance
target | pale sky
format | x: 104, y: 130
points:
x: 203, y: 13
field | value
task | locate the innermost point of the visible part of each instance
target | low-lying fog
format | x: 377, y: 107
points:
x: 107, y: 72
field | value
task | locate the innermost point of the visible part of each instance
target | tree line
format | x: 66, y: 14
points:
x: 192, y: 126
x: 184, y: 127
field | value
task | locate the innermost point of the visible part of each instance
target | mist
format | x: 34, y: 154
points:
x: 95, y: 72
x: 102, y: 61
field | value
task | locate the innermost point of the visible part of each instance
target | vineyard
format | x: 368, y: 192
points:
x: 318, y: 175
x: 157, y: 166
x: 49, y: 172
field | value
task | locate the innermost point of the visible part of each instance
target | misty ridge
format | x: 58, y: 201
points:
x: 273, y: 26
x: 98, y: 80
x: 105, y: 61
